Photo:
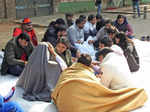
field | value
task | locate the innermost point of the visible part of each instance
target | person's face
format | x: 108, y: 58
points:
x: 108, y: 25
x: 101, y: 46
x: 27, y: 27
x: 98, y: 20
x: 62, y: 33
x: 70, y: 18
x: 120, y: 21
x: 100, y: 58
x: 117, y: 40
x: 78, y: 54
x: 60, y: 47
x: 81, y: 25
x: 23, y: 43
x: 111, y: 35
x: 93, y: 21
x: 84, y: 21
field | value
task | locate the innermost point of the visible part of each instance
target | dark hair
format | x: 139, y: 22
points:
x: 60, y: 21
x: 24, y: 36
x: 64, y: 41
x: 79, y: 21
x: 111, y: 30
x: 104, y: 51
x: 123, y: 43
x: 120, y: 16
x: 52, y: 24
x: 82, y: 17
x: 60, y: 28
x: 69, y: 15
x: 99, y: 16
x: 85, y: 59
x: 108, y: 21
x: 106, y: 41
x: 91, y: 17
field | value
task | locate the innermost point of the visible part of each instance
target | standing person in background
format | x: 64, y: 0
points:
x: 135, y: 4
x: 98, y: 5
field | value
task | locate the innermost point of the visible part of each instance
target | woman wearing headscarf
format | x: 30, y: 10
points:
x: 122, y: 25
x: 41, y: 73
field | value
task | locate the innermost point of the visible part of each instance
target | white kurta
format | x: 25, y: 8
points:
x: 116, y: 72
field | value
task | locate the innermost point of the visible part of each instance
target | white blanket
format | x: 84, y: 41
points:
x: 140, y: 79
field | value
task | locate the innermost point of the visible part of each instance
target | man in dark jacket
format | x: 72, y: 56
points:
x: 17, y: 52
x: 52, y: 37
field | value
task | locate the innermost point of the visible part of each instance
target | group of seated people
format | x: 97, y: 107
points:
x: 76, y: 64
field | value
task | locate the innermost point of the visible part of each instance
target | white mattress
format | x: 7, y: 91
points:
x: 140, y: 79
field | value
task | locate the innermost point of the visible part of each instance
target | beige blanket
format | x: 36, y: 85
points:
x: 78, y: 90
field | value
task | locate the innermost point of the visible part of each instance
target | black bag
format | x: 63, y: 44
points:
x: 132, y: 59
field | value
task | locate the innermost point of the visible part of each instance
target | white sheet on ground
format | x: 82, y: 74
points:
x: 140, y: 79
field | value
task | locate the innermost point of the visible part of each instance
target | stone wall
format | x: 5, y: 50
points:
x: 7, y: 9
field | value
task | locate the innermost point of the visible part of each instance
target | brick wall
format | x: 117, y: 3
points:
x: 2, y: 9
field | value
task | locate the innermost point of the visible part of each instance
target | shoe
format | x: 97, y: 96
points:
x: 143, y: 38
x: 148, y: 38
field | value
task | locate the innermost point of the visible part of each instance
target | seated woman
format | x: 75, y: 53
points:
x: 62, y: 49
x: 122, y: 25
x: 41, y: 73
x: 78, y: 90
x: 129, y: 51
x: 115, y: 69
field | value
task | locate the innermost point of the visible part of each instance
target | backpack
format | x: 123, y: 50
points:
x: 132, y: 59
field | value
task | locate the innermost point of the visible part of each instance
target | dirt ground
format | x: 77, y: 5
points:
x: 6, y: 31
x: 140, y: 27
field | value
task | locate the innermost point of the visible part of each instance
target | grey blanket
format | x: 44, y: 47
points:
x: 40, y: 75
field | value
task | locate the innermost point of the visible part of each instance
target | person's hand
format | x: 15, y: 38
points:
x: 51, y: 49
x: 99, y: 76
x: 95, y: 63
x: 90, y: 42
x: 25, y: 62
x: 78, y: 41
x: 74, y: 59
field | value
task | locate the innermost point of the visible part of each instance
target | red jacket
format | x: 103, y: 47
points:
x: 18, y: 31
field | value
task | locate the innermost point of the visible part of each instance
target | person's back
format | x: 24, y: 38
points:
x: 116, y: 72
